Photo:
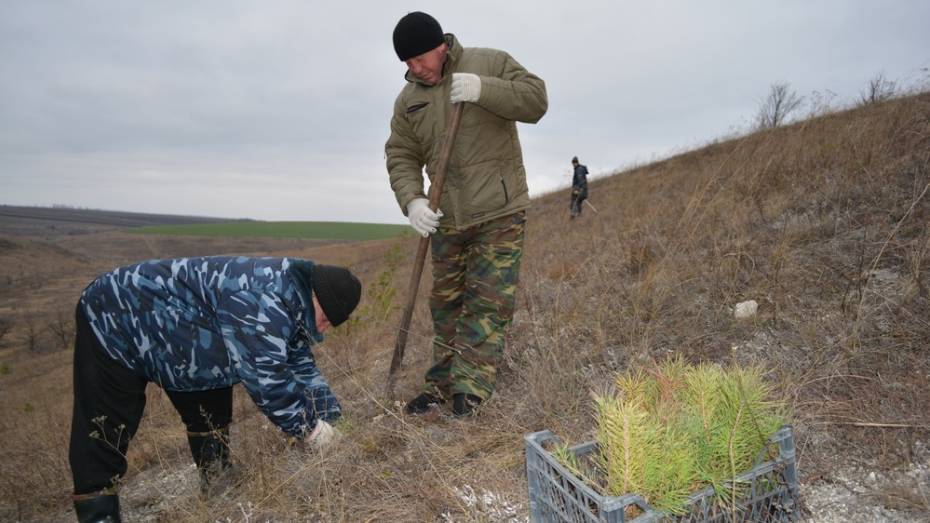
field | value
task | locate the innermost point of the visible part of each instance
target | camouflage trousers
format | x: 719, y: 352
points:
x: 475, y: 273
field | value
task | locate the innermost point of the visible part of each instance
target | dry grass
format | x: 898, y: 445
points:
x: 824, y: 223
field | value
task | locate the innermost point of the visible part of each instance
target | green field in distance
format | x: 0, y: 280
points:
x: 309, y: 230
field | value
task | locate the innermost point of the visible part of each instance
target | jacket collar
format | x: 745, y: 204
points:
x: 302, y: 271
x: 452, y: 57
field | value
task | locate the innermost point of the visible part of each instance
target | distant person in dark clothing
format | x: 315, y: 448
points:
x: 579, y: 187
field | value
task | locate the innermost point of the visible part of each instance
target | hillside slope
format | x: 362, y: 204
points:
x: 824, y: 223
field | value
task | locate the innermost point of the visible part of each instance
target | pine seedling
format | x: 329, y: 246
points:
x: 701, y: 393
x: 748, y: 414
x: 566, y: 457
x: 641, y: 454
x: 741, y: 422
x: 702, y: 400
x: 672, y: 476
x: 563, y: 454
x: 634, y: 387
x: 670, y: 379
x: 625, y: 436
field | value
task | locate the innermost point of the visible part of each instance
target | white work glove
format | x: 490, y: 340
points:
x: 322, y: 435
x: 423, y: 220
x: 466, y: 87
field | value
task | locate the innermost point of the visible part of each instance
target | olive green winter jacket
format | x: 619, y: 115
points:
x: 485, y: 178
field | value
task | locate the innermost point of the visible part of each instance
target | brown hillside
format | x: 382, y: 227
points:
x: 824, y: 223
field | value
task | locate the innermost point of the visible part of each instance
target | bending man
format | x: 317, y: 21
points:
x: 196, y: 327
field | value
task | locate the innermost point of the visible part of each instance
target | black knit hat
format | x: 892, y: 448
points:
x: 337, y: 290
x: 415, y: 34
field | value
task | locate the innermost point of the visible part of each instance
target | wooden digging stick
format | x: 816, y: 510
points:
x: 591, y: 206
x: 435, y: 191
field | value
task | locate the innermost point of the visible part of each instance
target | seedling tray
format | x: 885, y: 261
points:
x: 766, y: 493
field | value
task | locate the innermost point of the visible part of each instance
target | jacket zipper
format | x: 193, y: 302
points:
x: 504, y: 185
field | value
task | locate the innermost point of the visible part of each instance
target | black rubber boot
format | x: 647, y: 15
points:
x: 98, y: 509
x: 210, y: 451
x: 423, y: 403
x: 465, y: 404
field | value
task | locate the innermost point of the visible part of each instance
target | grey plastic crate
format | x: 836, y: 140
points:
x: 558, y: 496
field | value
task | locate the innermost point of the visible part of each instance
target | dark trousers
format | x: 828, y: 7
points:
x: 109, y: 400
x: 578, y: 197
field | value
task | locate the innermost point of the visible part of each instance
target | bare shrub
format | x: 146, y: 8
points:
x: 4, y: 329
x: 780, y: 103
x: 878, y: 90
x: 820, y: 103
x: 62, y: 329
x: 32, y: 332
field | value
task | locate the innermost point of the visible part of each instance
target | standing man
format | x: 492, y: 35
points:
x: 477, y: 232
x: 579, y: 187
x: 196, y: 327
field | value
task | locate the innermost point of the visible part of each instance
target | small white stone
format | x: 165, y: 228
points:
x: 745, y: 309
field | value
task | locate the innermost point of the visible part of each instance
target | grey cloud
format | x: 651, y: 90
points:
x: 189, y: 100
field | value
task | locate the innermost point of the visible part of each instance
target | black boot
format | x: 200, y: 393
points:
x: 210, y: 451
x: 97, y: 509
x: 465, y: 404
x: 423, y: 403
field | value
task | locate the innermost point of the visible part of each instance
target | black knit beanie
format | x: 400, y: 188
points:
x: 337, y: 290
x: 415, y: 34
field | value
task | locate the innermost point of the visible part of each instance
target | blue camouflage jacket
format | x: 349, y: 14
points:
x: 193, y: 324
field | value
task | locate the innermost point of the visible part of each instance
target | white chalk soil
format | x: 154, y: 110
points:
x: 856, y: 493
x: 863, y: 494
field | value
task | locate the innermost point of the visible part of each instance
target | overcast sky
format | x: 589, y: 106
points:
x: 279, y: 110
